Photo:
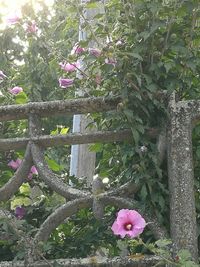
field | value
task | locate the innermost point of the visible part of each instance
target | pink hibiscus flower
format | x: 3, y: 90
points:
x: 77, y: 49
x: 95, y: 52
x: 15, y: 164
x: 13, y: 18
x: 128, y: 222
x: 16, y: 90
x: 32, y: 27
x: 32, y: 171
x: 69, y: 67
x: 64, y: 83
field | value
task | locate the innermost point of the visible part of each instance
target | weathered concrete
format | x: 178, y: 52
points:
x: 181, y: 179
x: 55, y: 108
x: 146, y: 261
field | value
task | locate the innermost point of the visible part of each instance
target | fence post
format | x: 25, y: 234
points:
x: 181, y: 180
x: 82, y: 160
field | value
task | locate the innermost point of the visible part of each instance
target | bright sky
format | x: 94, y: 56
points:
x: 11, y: 6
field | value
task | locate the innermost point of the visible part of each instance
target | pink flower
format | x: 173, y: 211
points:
x: 32, y: 27
x: 20, y: 212
x: 111, y: 61
x: 95, y: 52
x: 15, y: 164
x: 64, y: 83
x: 16, y: 90
x: 12, y: 19
x: 77, y: 49
x: 32, y: 171
x: 128, y: 222
x: 2, y: 75
x: 69, y: 67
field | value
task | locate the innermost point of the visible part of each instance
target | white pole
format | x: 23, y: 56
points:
x: 82, y: 159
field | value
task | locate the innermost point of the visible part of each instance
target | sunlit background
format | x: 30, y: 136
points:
x: 8, y: 7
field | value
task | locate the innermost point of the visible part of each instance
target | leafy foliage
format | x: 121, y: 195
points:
x: 149, y: 49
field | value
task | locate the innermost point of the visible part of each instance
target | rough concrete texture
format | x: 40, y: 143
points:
x: 181, y: 179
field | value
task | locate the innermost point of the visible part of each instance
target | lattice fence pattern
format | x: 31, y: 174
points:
x: 182, y: 205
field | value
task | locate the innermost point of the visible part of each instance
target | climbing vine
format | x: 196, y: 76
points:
x: 140, y: 50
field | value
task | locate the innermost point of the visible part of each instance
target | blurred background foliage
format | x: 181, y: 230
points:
x: 154, y: 49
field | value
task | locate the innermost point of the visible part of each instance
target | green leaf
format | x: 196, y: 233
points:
x: 54, y: 132
x: 184, y: 254
x: 136, y: 135
x: 53, y: 165
x: 64, y: 130
x: 92, y: 5
x: 163, y: 243
x: 25, y: 189
x: 21, y: 98
x: 143, y: 192
x: 20, y: 201
x: 96, y: 147
x: 190, y: 264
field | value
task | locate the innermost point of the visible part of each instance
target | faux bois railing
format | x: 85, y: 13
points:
x: 181, y: 185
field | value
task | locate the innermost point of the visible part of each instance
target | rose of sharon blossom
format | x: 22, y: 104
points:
x: 15, y: 164
x: 16, y: 90
x: 77, y: 49
x: 128, y: 222
x: 95, y: 52
x: 20, y: 212
x: 69, y: 67
x: 2, y: 75
x: 64, y: 83
x: 13, y: 18
x: 32, y: 171
x: 32, y: 27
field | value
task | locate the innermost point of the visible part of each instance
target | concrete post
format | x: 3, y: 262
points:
x: 181, y: 179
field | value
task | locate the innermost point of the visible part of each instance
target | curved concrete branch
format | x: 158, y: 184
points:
x: 51, y: 179
x: 16, y: 181
x: 59, y: 215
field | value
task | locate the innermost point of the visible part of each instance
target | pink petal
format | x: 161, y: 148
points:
x: 64, y: 83
x: 16, y: 90
x: 32, y: 27
x: 118, y: 229
x: 136, y: 219
x: 13, y: 18
x: 15, y: 164
x: 68, y: 67
x: 30, y: 176
x: 123, y: 213
x: 34, y: 170
x: 95, y: 52
x: 77, y: 49
x: 135, y: 232
x: 18, y: 161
